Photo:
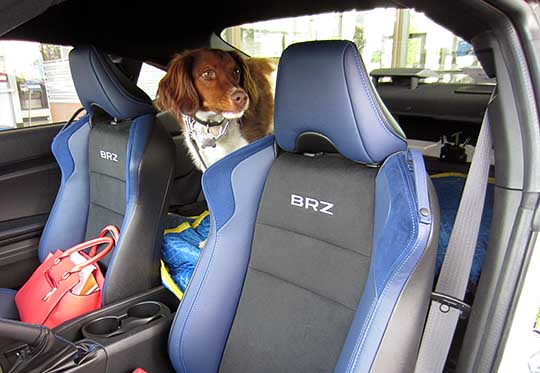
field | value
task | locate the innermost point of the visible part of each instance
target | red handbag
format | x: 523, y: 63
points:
x: 47, y: 298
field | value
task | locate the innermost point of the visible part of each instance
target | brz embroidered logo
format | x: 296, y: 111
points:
x: 108, y: 156
x: 312, y: 203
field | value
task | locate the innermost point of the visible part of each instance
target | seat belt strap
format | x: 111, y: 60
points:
x: 447, y: 304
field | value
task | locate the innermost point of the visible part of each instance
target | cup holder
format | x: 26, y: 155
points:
x: 145, y: 309
x: 137, y: 315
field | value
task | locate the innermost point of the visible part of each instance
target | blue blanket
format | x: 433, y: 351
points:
x: 181, y: 249
x: 449, y: 189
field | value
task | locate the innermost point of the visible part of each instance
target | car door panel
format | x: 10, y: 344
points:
x: 29, y: 181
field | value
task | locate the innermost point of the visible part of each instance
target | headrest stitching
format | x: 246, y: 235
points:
x: 101, y: 85
x: 383, y: 122
x: 358, y: 131
x: 120, y: 87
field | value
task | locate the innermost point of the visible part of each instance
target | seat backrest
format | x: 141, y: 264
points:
x: 186, y: 186
x: 320, y: 255
x: 117, y: 167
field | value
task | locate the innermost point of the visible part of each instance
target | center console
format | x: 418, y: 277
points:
x: 121, y: 337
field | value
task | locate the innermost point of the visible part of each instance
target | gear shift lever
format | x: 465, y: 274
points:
x: 40, y: 342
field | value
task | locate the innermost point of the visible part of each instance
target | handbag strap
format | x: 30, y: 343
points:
x: 114, y: 232
x: 85, y: 245
x: 94, y: 243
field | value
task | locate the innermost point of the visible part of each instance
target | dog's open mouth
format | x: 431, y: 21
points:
x: 217, y: 117
x: 231, y: 115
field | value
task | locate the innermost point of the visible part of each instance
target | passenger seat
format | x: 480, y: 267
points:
x: 186, y: 197
x: 322, y: 244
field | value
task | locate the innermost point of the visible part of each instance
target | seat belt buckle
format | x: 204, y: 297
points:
x: 447, y: 302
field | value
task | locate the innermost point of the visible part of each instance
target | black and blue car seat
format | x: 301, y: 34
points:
x: 117, y: 166
x: 322, y: 244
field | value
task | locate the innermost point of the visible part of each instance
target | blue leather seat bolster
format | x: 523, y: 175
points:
x: 233, y: 187
x: 67, y: 227
x: 139, y: 135
x: 8, y: 308
x: 323, y: 87
x: 400, y: 239
x: 99, y: 82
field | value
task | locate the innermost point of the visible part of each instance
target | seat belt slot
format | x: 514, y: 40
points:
x: 447, y: 302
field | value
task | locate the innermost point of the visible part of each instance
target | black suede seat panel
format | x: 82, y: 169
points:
x: 307, y: 268
x: 107, y: 165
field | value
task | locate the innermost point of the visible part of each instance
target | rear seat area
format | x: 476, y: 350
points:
x: 186, y: 197
x: 448, y: 175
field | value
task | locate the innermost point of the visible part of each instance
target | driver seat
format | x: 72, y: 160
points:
x: 117, y: 167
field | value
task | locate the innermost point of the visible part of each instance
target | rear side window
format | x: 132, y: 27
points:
x: 35, y: 85
x: 149, y: 78
x: 386, y: 38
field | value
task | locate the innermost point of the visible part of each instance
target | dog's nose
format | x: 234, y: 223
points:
x: 239, y: 98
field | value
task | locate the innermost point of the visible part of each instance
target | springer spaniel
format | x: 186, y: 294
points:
x: 221, y: 100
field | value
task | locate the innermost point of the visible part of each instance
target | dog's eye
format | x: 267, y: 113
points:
x: 236, y: 73
x: 209, y: 75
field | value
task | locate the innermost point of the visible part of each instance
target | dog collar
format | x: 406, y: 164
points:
x: 209, y: 123
x: 204, y: 137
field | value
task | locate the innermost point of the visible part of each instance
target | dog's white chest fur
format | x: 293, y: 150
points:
x: 229, y: 142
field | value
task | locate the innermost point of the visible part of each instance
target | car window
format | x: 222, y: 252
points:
x: 35, y: 84
x: 149, y: 78
x: 386, y: 38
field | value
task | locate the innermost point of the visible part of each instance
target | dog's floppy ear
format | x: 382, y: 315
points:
x: 176, y: 92
x: 246, y: 80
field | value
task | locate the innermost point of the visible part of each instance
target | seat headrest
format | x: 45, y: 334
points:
x: 99, y: 82
x: 323, y: 90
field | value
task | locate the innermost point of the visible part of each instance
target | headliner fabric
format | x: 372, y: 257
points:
x: 449, y: 189
x: 307, y: 269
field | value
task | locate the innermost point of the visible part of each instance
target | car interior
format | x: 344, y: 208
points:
x: 325, y: 241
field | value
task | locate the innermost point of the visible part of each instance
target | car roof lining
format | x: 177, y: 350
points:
x: 154, y: 31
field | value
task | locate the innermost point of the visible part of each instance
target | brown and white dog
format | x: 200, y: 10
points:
x: 221, y: 100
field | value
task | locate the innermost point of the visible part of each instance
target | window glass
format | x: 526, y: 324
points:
x: 35, y: 84
x: 386, y: 38
x: 149, y: 79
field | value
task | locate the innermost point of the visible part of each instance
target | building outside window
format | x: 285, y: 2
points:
x: 386, y: 38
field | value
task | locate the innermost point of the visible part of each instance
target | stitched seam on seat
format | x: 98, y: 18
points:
x: 367, y: 323
x: 62, y: 187
x: 101, y: 85
x: 315, y: 239
x: 383, y: 122
x: 106, y: 208
x: 120, y: 88
x: 180, y: 338
x: 210, y: 263
x: 412, y: 251
x: 107, y: 175
x: 301, y: 287
x: 196, y: 298
x: 377, y: 302
x: 212, y: 257
x: 352, y: 107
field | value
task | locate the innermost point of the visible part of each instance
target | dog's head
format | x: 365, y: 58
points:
x: 207, y: 82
